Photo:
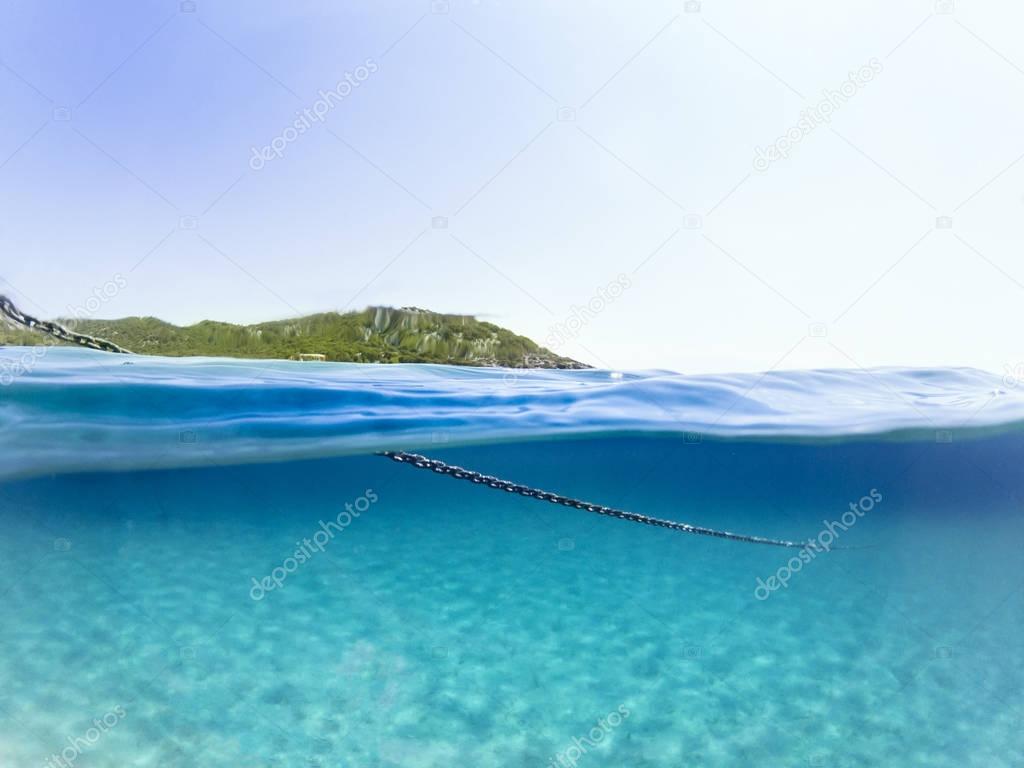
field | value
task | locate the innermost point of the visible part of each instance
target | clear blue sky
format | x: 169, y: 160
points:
x: 570, y: 146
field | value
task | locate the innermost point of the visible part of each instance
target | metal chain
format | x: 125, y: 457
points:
x: 58, y: 331
x: 422, y: 462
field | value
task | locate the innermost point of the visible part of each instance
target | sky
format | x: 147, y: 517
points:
x: 700, y: 187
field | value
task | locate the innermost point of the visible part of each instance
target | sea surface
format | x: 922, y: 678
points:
x: 204, y: 563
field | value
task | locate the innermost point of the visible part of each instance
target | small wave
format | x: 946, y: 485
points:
x: 78, y: 410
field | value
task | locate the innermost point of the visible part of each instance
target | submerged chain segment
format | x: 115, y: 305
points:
x: 58, y: 331
x: 422, y: 462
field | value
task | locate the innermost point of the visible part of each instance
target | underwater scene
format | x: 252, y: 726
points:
x: 205, y: 562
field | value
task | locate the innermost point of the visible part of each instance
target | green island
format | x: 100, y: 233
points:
x: 373, y: 335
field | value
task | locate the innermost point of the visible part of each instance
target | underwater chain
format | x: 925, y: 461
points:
x: 58, y: 331
x: 459, y: 473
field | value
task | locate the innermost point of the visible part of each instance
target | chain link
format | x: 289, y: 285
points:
x: 56, y: 330
x: 422, y: 462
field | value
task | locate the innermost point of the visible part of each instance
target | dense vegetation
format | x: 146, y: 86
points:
x: 375, y: 335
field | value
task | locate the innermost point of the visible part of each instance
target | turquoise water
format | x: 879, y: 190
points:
x: 152, y: 617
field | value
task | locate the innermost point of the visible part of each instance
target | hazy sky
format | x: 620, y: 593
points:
x: 523, y: 160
